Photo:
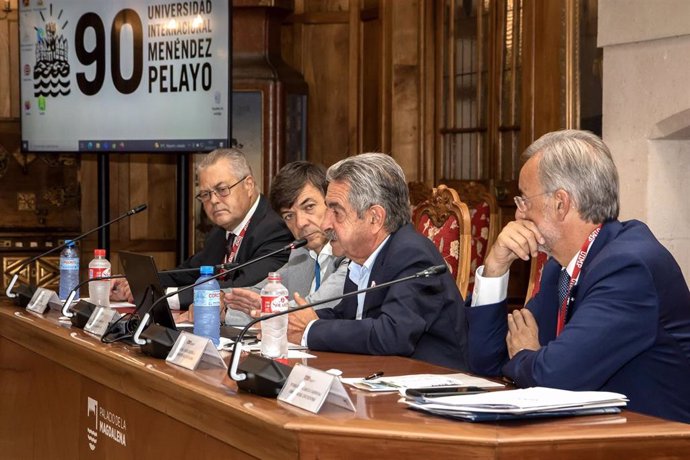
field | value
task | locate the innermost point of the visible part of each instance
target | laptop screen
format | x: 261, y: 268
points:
x: 142, y: 276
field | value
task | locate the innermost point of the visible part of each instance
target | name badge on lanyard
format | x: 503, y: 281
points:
x: 563, y: 311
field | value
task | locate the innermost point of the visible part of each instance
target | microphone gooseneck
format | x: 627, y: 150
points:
x: 234, y: 359
x: 131, y: 212
x: 137, y: 209
x: 68, y: 301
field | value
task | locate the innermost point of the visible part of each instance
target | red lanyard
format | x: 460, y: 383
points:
x: 236, y: 244
x: 563, y: 311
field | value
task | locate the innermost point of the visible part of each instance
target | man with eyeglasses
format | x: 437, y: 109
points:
x: 613, y: 310
x: 245, y: 227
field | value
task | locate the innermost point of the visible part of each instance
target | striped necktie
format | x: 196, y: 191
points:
x: 228, y: 246
x: 563, y: 285
x: 317, y: 275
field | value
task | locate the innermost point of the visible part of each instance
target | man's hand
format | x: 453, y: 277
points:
x: 244, y: 300
x: 298, y: 321
x: 186, y: 316
x: 519, y: 239
x: 523, y: 332
x: 120, y: 291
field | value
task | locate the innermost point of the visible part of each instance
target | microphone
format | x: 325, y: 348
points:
x: 28, y: 291
x: 226, y: 267
x: 83, y: 309
x: 157, y: 340
x: 266, y: 377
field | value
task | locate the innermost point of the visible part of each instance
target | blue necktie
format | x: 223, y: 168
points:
x: 563, y: 285
x: 317, y: 275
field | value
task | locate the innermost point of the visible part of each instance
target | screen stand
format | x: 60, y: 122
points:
x: 104, y: 200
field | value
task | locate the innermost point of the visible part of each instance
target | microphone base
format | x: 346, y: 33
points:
x: 23, y: 295
x: 159, y: 341
x: 81, y: 313
x: 265, y: 377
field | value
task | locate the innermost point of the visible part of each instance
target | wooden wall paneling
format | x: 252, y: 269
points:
x: 134, y: 179
x: 371, y: 82
x: 439, y: 107
x: 405, y: 86
x: 339, y: 48
x: 386, y: 71
x: 542, y: 90
x: 88, y: 172
x: 15, y: 102
x: 354, y: 83
x: 493, y: 92
x: 151, y: 179
x: 326, y: 70
x: 9, y: 70
x: 292, y: 37
x: 427, y: 58
x: 4, y: 68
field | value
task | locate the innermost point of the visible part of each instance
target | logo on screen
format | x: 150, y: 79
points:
x: 92, y: 433
x: 51, y: 71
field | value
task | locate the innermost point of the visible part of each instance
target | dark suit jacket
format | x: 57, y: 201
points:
x: 628, y: 329
x: 422, y: 318
x: 266, y: 233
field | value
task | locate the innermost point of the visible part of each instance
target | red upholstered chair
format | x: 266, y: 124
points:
x: 445, y: 220
x: 483, y: 219
x: 535, y: 269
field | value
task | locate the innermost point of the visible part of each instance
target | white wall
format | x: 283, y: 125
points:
x: 646, y: 102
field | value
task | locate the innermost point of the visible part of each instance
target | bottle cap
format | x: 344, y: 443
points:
x: 69, y: 243
x: 99, y: 252
x: 206, y: 270
x: 275, y: 276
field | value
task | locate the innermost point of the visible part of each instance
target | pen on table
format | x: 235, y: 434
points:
x: 373, y: 376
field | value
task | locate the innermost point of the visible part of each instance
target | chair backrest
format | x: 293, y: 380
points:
x: 535, y: 269
x: 483, y: 219
x: 445, y: 220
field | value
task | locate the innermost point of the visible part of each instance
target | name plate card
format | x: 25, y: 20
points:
x: 309, y: 388
x: 189, y: 350
x: 39, y: 301
x: 100, y: 319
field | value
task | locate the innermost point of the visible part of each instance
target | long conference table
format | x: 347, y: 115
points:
x: 65, y: 395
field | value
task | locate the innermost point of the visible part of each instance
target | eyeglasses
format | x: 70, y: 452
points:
x: 521, y: 201
x: 220, y: 191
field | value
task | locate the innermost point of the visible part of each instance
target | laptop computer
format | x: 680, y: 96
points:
x: 142, y: 275
x: 160, y: 335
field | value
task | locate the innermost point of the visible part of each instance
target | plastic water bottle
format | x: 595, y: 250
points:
x: 69, y: 270
x: 274, y: 298
x: 207, y: 306
x: 99, y: 291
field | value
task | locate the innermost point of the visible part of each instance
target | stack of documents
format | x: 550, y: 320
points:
x: 401, y: 382
x: 519, y: 404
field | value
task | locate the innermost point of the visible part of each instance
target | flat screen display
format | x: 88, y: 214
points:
x: 125, y: 75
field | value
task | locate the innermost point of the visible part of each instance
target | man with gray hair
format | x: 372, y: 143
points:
x: 613, y: 309
x: 245, y: 226
x: 369, y: 214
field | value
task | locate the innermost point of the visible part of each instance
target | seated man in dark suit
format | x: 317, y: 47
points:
x: 369, y: 214
x: 613, y: 310
x: 245, y: 226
